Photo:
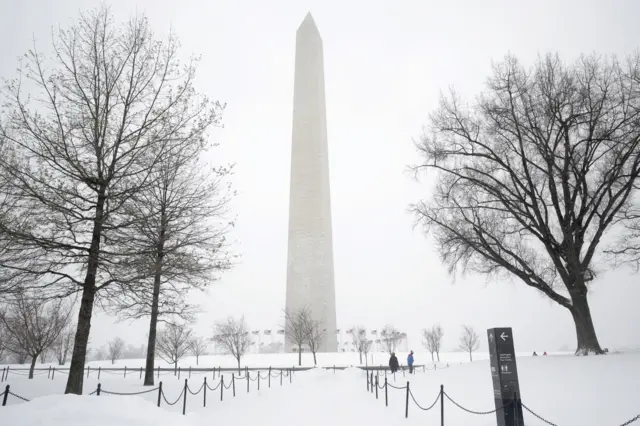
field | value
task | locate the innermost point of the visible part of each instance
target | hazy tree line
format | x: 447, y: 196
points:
x: 534, y: 176
x: 107, y: 191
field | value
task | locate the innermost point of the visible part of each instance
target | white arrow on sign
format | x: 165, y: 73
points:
x: 504, y: 336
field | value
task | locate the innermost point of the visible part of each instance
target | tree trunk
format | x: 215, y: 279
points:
x: 76, y: 369
x: 33, y: 365
x: 300, y: 355
x: 438, y: 355
x: 470, y: 356
x: 585, y: 331
x: 432, y: 360
x: 314, y: 359
x: 197, y: 361
x: 153, y: 322
x: 238, y: 359
x: 360, y: 358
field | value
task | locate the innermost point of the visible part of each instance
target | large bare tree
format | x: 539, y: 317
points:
x: 233, y: 336
x: 432, y: 340
x: 532, y: 176
x: 173, y: 343
x: 390, y: 337
x: 360, y: 341
x: 109, y: 105
x: 178, y: 233
x: 469, y: 340
x: 32, y: 326
x: 295, y: 328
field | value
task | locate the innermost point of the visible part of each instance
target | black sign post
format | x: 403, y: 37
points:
x: 505, y: 377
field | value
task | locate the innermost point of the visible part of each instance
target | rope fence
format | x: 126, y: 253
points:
x: 248, y: 377
x: 373, y: 384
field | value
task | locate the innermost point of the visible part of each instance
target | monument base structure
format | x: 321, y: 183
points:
x: 310, y: 274
x: 504, y: 372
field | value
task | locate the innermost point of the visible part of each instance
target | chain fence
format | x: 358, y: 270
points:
x: 250, y: 376
x: 373, y: 383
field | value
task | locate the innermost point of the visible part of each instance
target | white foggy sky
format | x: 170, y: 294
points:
x: 385, y: 64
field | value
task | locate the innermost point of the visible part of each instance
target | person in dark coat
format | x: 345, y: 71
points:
x: 393, y: 363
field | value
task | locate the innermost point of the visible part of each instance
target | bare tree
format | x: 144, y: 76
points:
x: 532, y: 176
x: 469, y: 340
x: 33, y: 326
x: 233, y: 336
x: 63, y: 345
x: 315, y: 332
x: 115, y: 347
x: 198, y: 346
x: 295, y: 328
x: 360, y: 341
x: 110, y: 106
x: 178, y: 233
x: 173, y: 343
x: 432, y: 340
x: 390, y: 337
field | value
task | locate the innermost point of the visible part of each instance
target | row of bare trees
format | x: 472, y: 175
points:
x: 107, y: 189
x: 303, y: 329
x: 432, y: 340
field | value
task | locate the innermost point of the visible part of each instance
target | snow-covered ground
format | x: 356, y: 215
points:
x: 566, y: 390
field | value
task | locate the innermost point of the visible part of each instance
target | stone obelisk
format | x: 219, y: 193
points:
x: 310, y: 279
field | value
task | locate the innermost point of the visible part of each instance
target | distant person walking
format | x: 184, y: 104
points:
x: 393, y: 363
x: 410, y: 362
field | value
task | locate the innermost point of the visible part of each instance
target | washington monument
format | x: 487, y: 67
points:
x: 310, y: 281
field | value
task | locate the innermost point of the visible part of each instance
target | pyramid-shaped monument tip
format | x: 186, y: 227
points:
x: 308, y: 22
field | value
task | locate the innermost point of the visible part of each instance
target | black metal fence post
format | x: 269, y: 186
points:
x: 189, y: 371
x: 376, y: 386
x: 88, y: 370
x: 372, y: 382
x: 48, y: 374
x: 269, y: 376
x: 258, y: 379
x: 233, y: 383
x: 204, y: 403
x: 248, y: 379
x: 99, y: 370
x: 406, y: 409
x: 386, y: 395
x: 291, y: 374
x: 280, y: 377
x: 221, y: 386
x: 6, y: 395
x: 184, y: 400
x: 158, y: 372
x: 140, y: 372
x: 159, y: 393
x: 179, y: 373
x: 367, y: 375
x: 441, y: 405
x: 53, y: 373
x: 98, y: 389
x: 125, y: 371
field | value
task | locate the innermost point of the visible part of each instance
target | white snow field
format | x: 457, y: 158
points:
x: 563, y: 389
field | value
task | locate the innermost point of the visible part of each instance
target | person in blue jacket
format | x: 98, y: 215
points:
x: 410, y: 362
